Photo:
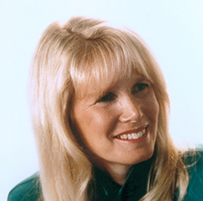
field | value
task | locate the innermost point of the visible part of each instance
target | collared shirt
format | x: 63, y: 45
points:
x: 132, y: 190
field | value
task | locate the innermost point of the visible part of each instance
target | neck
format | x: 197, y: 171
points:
x: 118, y: 172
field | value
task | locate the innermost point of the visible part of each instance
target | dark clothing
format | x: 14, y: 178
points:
x: 132, y: 190
x: 27, y: 190
x: 195, y: 169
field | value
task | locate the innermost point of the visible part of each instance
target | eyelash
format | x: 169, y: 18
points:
x: 107, y: 98
x: 139, y: 87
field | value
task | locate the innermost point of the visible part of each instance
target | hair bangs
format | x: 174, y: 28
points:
x: 103, y: 62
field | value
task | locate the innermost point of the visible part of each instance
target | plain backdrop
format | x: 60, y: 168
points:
x: 172, y: 28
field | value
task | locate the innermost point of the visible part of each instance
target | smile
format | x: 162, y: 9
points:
x: 130, y: 136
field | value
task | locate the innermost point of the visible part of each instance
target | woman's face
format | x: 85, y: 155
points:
x: 118, y: 127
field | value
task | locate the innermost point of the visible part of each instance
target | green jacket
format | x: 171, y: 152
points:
x: 132, y: 190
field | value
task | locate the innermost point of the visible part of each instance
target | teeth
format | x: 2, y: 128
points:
x: 139, y: 134
x: 130, y: 136
x: 134, y: 135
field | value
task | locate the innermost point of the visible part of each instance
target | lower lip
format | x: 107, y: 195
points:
x: 136, y: 140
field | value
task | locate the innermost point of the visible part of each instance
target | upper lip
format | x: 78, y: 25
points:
x: 132, y: 130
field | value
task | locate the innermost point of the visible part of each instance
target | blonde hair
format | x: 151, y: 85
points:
x: 73, y: 54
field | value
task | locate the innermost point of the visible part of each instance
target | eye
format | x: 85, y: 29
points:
x: 107, y: 98
x: 139, y: 87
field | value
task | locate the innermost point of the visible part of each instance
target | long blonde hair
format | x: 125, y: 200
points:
x: 66, y: 57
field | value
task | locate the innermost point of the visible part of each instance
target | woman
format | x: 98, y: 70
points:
x: 100, y: 116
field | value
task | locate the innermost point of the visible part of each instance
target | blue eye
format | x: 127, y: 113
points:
x: 139, y: 87
x: 107, y: 98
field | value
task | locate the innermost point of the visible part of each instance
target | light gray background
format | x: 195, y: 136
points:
x: 173, y: 29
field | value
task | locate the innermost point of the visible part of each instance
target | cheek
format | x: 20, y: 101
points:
x: 92, y: 122
x: 100, y: 122
x: 91, y: 127
x: 152, y: 108
x: 155, y: 108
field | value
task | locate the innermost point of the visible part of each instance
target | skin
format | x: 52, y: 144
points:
x: 127, y: 106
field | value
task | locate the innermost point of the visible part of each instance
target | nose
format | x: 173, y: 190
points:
x: 130, y: 110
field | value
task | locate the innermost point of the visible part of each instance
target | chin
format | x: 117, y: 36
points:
x: 143, y: 156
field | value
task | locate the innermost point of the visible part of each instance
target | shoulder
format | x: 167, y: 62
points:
x: 28, y: 189
x: 194, y: 163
